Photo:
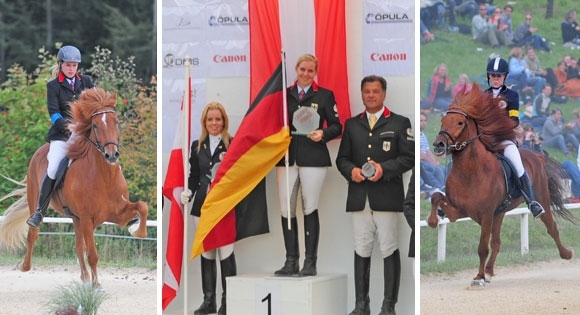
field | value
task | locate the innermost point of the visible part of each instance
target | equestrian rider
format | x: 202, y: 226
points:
x: 66, y: 86
x: 497, y: 71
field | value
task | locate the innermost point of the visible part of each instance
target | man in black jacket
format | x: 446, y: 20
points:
x: 377, y: 147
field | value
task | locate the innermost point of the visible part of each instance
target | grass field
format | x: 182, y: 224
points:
x: 461, y: 54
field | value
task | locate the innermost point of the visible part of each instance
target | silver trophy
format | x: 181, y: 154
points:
x: 305, y: 120
x: 368, y: 170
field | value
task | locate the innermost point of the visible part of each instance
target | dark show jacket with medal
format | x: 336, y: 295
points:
x: 201, y: 164
x: 302, y: 150
x: 391, y: 144
x: 59, y: 95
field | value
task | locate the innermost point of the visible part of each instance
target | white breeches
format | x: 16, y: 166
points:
x: 56, y: 153
x: 224, y: 251
x: 308, y: 179
x: 513, y: 154
x: 367, y: 224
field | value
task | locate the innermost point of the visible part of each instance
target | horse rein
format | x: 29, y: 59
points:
x: 458, y: 146
x: 96, y: 143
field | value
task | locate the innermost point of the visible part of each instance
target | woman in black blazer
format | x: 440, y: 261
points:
x: 308, y: 163
x: 206, y: 154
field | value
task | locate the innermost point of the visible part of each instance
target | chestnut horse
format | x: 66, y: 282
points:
x: 94, y: 188
x: 472, y: 131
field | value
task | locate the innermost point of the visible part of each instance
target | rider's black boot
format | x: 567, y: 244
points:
x: 43, y: 200
x: 528, y: 192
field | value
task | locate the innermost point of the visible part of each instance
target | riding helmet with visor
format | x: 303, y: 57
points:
x: 69, y: 54
x: 497, y: 66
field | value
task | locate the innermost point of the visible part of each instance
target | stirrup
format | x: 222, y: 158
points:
x: 35, y: 220
x: 537, y: 214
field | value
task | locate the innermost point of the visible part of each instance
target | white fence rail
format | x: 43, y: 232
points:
x: 524, y: 238
x: 150, y: 223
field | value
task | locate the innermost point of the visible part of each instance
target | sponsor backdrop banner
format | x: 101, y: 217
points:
x: 216, y: 37
x: 388, y: 37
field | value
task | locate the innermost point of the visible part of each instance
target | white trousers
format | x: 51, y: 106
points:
x: 513, y: 154
x: 367, y: 224
x: 308, y: 179
x: 56, y: 153
x: 224, y: 251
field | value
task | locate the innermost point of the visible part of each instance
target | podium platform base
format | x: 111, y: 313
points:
x: 265, y: 294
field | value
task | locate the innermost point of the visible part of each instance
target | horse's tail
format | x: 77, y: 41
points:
x: 13, y: 227
x: 556, y: 173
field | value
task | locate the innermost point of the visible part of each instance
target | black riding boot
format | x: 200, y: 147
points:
x: 208, y: 283
x: 43, y: 200
x: 291, y: 243
x: 311, y: 233
x: 528, y: 192
x: 392, y: 278
x: 362, y: 273
x: 228, y: 269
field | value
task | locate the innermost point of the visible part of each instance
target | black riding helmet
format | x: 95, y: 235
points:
x: 497, y: 66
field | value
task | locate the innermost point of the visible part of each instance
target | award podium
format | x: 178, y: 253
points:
x: 265, y: 294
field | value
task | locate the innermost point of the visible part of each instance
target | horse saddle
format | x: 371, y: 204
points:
x: 512, y: 183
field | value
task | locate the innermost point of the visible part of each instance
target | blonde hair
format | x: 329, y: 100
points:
x: 439, y: 66
x: 204, y: 133
x: 464, y: 76
x: 307, y: 57
x: 516, y: 52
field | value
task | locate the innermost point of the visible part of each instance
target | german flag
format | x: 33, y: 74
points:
x: 235, y: 206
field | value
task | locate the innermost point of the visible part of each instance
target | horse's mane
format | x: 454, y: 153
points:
x: 492, y: 122
x: 90, y: 101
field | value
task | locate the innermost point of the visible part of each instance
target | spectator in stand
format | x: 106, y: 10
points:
x: 506, y: 19
x: 570, y: 29
x: 525, y: 35
x: 439, y: 88
x: 484, y: 32
x: 497, y: 22
x: 557, y: 135
x: 541, y: 107
x: 570, y: 81
x: 574, y: 174
x: 575, y: 124
x: 462, y: 82
x: 431, y: 171
x: 520, y: 74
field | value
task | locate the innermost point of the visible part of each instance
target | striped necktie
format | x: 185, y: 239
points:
x: 72, y: 84
x: 301, y: 94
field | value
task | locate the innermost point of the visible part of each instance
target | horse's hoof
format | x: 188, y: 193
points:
x: 478, y: 283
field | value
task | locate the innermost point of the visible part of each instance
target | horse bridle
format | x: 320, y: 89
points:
x: 96, y: 143
x: 458, y: 146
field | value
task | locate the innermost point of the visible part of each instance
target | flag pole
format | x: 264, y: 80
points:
x: 285, y: 115
x: 185, y: 154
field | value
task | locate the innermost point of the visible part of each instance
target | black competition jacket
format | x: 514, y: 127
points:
x: 201, y: 164
x: 59, y: 95
x: 513, y: 102
x: 390, y: 143
x: 303, y: 151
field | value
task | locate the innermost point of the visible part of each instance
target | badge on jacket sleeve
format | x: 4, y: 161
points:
x: 410, y: 136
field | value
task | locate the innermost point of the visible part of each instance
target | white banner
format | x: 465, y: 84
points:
x: 389, y: 36
x: 173, y: 90
x: 215, y: 35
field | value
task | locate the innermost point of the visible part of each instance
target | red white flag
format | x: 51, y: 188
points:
x: 175, y: 181
x: 321, y: 31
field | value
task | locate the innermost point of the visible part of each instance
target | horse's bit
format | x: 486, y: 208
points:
x: 459, y: 146
x: 96, y: 143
